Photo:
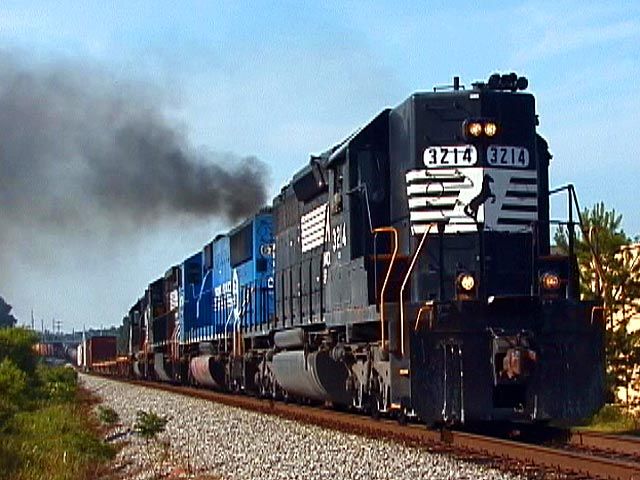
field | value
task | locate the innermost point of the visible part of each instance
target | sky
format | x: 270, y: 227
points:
x: 279, y: 81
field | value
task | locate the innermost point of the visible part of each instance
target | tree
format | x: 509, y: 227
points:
x: 17, y: 344
x: 6, y: 319
x: 148, y: 426
x: 610, y: 274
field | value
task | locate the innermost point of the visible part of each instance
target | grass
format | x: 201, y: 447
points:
x: 614, y: 419
x: 56, y: 437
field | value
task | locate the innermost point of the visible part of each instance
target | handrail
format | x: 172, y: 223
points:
x: 427, y: 307
x: 394, y: 231
x: 572, y: 199
x: 404, y: 284
x: 236, y: 321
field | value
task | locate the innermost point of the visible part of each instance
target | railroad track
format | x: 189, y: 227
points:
x: 585, y: 455
x: 624, y: 446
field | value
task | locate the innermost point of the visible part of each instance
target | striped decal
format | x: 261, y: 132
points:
x: 312, y: 228
x: 517, y: 191
x: 437, y: 195
x: 446, y: 195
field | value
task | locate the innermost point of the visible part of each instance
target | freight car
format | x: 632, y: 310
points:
x: 96, y: 350
x: 406, y: 270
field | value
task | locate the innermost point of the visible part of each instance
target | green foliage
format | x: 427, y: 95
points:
x: 601, y: 234
x: 614, y: 419
x: 45, y: 431
x: 17, y: 344
x: 108, y: 415
x: 13, y: 389
x: 611, y: 276
x: 58, y: 384
x: 149, y: 424
x: 51, y: 443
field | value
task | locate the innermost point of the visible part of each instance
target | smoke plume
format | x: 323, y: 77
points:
x: 81, y: 150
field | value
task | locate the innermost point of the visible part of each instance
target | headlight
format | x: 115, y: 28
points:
x: 490, y: 129
x: 466, y: 282
x: 479, y: 128
x: 550, y: 281
x: 474, y: 129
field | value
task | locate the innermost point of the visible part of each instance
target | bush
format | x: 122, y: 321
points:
x: 57, y: 384
x: 614, y: 418
x: 51, y: 443
x: 17, y: 344
x: 46, y: 431
x: 149, y: 424
x: 108, y: 415
x: 13, y: 389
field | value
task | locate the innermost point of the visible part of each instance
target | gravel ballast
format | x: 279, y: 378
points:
x: 230, y: 443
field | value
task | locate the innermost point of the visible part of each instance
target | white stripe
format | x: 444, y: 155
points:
x: 312, y: 225
x: 424, y: 201
x: 451, y: 228
x: 413, y: 175
x: 306, y: 225
x: 311, y: 245
x: 435, y: 186
x: 317, y: 232
x: 312, y: 239
x: 314, y: 215
x: 413, y: 189
x: 432, y: 216
x: 314, y: 228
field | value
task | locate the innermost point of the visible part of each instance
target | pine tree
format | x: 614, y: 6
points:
x: 610, y: 273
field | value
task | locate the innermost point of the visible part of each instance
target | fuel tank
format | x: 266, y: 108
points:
x: 158, y: 366
x: 136, y: 369
x: 314, y: 375
x: 207, y: 371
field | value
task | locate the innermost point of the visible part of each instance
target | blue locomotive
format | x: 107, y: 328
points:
x: 407, y: 270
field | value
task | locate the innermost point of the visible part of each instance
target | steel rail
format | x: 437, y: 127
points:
x: 589, y: 465
x: 621, y: 444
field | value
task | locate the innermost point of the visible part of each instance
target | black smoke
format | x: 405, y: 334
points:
x: 6, y: 319
x: 81, y: 150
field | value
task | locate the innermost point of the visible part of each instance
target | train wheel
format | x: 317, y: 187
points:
x: 401, y: 417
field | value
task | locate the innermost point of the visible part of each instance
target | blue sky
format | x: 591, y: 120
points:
x: 281, y: 80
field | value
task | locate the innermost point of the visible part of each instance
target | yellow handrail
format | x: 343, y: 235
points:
x: 404, y: 284
x: 394, y: 231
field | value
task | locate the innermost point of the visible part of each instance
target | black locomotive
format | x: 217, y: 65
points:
x: 406, y: 270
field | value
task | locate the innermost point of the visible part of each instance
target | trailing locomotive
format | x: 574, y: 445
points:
x: 406, y: 270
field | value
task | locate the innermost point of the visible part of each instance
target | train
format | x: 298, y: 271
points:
x: 407, y: 271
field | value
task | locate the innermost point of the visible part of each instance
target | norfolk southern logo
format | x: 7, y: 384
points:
x: 471, y: 209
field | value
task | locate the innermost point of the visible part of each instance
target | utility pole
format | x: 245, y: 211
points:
x: 58, y: 324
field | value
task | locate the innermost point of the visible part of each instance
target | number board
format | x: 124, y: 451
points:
x: 451, y: 156
x: 498, y: 156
